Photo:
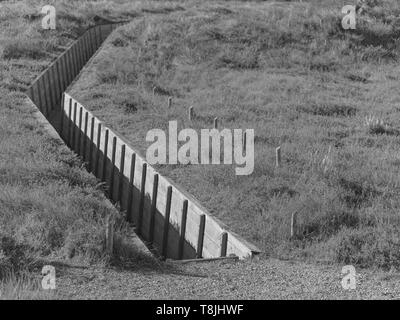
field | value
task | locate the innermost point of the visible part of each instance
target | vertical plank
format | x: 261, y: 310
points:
x: 199, y: 253
x: 105, y: 158
x: 130, y: 194
x: 74, y: 126
x: 62, y: 113
x: 78, y: 138
x: 153, y: 208
x: 46, y: 75
x: 121, y: 174
x: 58, y: 75
x: 52, y: 87
x: 43, y: 90
x: 80, y: 53
x: 97, y: 160
x: 74, y: 61
x: 68, y: 135
x: 86, y: 46
x: 183, y: 229
x: 84, y: 137
x: 40, y: 90
x: 91, y: 144
x: 64, y: 71
x: 112, y: 171
x: 224, y: 244
x: 166, y: 224
x: 141, y: 201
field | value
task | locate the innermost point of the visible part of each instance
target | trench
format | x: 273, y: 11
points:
x: 167, y: 219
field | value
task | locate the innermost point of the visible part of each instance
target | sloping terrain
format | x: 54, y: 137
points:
x: 289, y: 71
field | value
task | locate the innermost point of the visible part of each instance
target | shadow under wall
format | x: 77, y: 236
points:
x: 151, y: 227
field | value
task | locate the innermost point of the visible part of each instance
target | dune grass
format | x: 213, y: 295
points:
x: 50, y: 207
x: 289, y: 71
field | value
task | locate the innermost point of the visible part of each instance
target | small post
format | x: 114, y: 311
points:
x: 130, y: 193
x: 215, y: 123
x: 154, y: 90
x: 199, y: 253
x: 169, y: 102
x: 166, y: 223
x: 183, y: 230
x: 191, y: 114
x: 293, y: 222
x: 278, y: 157
x: 109, y: 235
x: 224, y: 244
x: 244, y: 141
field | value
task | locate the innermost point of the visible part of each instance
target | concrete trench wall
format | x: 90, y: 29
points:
x: 168, y: 219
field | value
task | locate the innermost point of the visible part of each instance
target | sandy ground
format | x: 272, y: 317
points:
x: 257, y: 279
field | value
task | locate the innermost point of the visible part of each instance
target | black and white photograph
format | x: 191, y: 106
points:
x: 207, y: 156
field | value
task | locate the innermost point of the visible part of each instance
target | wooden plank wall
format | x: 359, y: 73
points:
x: 47, y: 89
x: 170, y: 219
x: 147, y: 197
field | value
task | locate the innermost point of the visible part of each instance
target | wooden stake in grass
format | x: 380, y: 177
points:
x: 154, y: 91
x: 109, y: 235
x: 293, y: 225
x: 169, y: 102
x: 215, y: 123
x: 191, y: 114
x: 278, y: 157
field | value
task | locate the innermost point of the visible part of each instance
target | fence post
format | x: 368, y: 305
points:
x: 278, y: 157
x: 183, y: 230
x: 166, y: 223
x: 293, y: 223
x: 191, y: 114
x: 224, y: 244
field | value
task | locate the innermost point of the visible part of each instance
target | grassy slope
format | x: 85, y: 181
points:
x: 290, y: 72
x: 50, y: 207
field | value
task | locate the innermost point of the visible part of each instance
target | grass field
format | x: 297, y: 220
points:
x: 50, y: 208
x: 289, y: 71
